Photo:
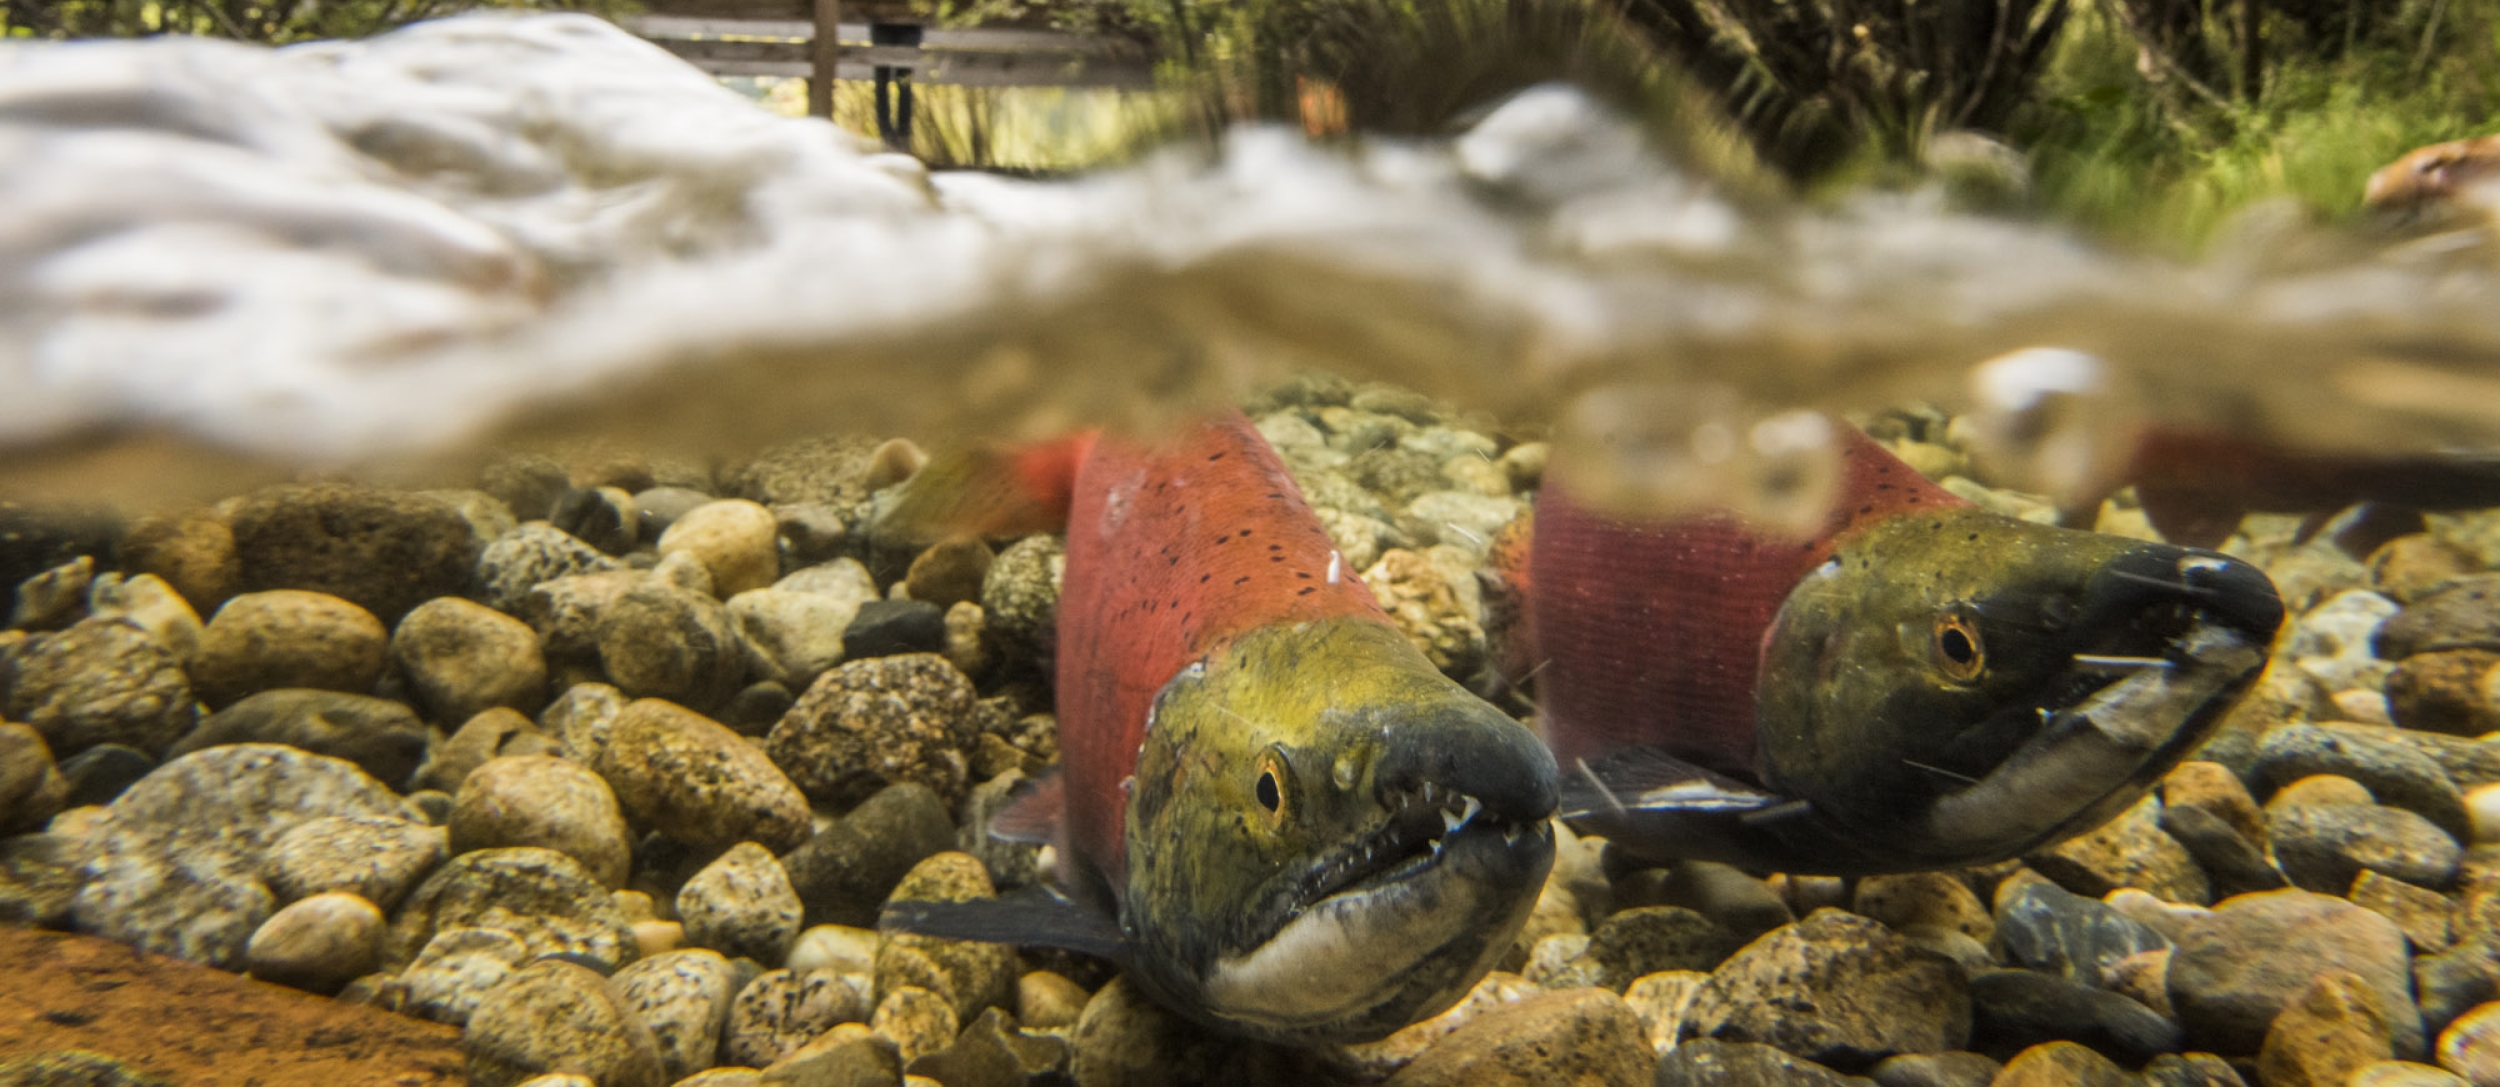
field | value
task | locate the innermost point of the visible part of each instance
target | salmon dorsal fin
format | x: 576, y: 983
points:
x: 1654, y: 628
x: 987, y: 490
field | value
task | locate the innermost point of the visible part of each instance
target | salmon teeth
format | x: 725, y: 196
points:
x: 1473, y: 806
x: 1450, y: 820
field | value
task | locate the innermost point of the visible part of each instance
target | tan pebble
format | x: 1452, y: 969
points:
x: 2404, y: 1074
x: 545, y: 801
x: 917, y: 1021
x: 2144, y: 977
x: 2422, y: 913
x: 287, y: 638
x: 950, y: 572
x: 2332, y: 1029
x: 654, y: 937
x: 2320, y: 790
x: 2059, y: 1064
x: 1585, y: 1036
x: 1045, y: 1000
x: 2483, y: 804
x: 2212, y: 787
x: 1660, y: 999
x: 2363, y: 706
x: 1371, y: 1061
x: 1806, y: 894
x: 1925, y: 898
x: 2470, y: 1047
x: 317, y: 944
x: 841, y: 948
x: 635, y: 906
x: 735, y: 541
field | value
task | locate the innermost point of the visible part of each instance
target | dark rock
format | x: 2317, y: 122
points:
x: 34, y: 539
x: 659, y: 507
x: 2013, y: 1010
x: 2323, y: 848
x: 1648, y: 939
x: 873, y: 722
x: 2464, y: 615
x: 1707, y: 1062
x: 2235, y: 864
x: 992, y: 1051
x: 2044, y: 927
x: 886, y: 628
x: 2442, y: 692
x: 528, y: 483
x: 384, y: 551
x: 603, y: 517
x: 2191, y: 1070
x: 2454, y: 982
x: 382, y: 737
x: 845, y: 872
x: 1579, y: 1036
x: 2396, y: 775
x: 1745, y: 906
x: 102, y: 772
x: 1838, y: 989
x: 39, y: 879
x: 193, y: 551
x: 660, y: 641
x: 757, y: 707
x: 1952, y: 1069
x: 2235, y: 968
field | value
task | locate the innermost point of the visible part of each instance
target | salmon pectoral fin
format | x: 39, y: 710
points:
x: 1645, y: 779
x: 1033, y: 916
x: 986, y: 491
x: 1033, y: 817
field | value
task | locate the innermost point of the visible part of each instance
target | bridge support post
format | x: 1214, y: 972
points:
x: 825, y: 53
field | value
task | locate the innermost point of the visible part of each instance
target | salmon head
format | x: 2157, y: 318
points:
x: 1361, y: 838
x: 1925, y: 685
x: 1271, y: 809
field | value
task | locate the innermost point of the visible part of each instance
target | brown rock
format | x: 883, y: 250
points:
x: 541, y: 800
x: 950, y: 572
x: 384, y: 551
x: 193, y: 551
x: 2129, y: 851
x: 2060, y: 1064
x: 1581, y: 1037
x: 1837, y: 989
x: 463, y: 658
x: 2422, y: 914
x: 32, y: 789
x: 2212, y: 787
x: 287, y: 638
x: 968, y: 975
x: 2233, y: 971
x: 2442, y: 692
x: 1925, y: 898
x: 694, y: 780
x: 2331, y: 1030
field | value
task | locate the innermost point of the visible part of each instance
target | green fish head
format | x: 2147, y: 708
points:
x: 1328, y: 839
x: 1959, y: 687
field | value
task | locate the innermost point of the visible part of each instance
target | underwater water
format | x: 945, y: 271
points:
x: 440, y: 483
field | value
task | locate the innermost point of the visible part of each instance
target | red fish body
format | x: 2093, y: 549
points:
x: 1920, y: 684
x: 1275, y: 813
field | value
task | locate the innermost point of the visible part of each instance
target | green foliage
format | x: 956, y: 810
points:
x: 267, y: 21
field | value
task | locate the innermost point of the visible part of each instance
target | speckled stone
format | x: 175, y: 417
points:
x: 528, y: 556
x: 742, y: 906
x: 792, y: 637
x: 1870, y: 994
x: 544, y: 898
x: 2128, y: 851
x: 148, y: 602
x: 1021, y: 598
x: 659, y: 641
x: 733, y: 538
x: 683, y: 998
x: 377, y: 859
x: 317, y: 944
x: 832, y: 469
x: 2331, y: 1030
x: 385, y: 551
x: 779, y: 1011
x: 917, y: 1021
x: 175, y: 868
x: 541, y: 800
x: 554, y: 1016
x: 1661, y: 1001
x: 565, y: 612
x: 2045, y: 927
x: 287, y: 638
x: 845, y: 871
x: 462, y: 658
x: 1584, y: 1036
x: 1435, y: 610
x: 39, y: 879
x: 2234, y: 970
x: 1925, y: 898
x: 383, y: 738
x: 581, y: 718
x: 54, y: 598
x: 2464, y: 615
x: 2423, y: 914
x: 1561, y: 961
x: 968, y: 975
x: 1646, y: 940
x: 875, y: 722
x: 694, y: 780
x: 102, y: 681
x: 1125, y: 1040
x: 840, y: 948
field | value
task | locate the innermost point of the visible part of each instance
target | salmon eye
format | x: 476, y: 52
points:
x: 1271, y: 788
x: 1959, y: 652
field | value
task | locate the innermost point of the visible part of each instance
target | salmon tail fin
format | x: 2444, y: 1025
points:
x: 1034, y: 916
x: 986, y: 491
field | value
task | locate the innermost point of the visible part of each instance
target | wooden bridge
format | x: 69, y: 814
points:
x: 886, y: 42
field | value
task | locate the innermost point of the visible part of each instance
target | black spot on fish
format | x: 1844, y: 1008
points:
x: 1275, y: 547
x: 1242, y: 580
x: 1245, y: 534
x: 1307, y: 590
x: 1303, y: 576
x: 1275, y: 558
x: 1212, y: 458
x: 1864, y: 510
x: 1202, y: 578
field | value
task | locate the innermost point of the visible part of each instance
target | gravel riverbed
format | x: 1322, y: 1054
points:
x: 610, y: 762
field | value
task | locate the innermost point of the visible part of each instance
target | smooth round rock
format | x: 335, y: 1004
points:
x: 2470, y: 1047
x: 100, y: 774
x: 733, y: 538
x: 683, y: 998
x: 1953, y: 1069
x: 384, y: 551
x: 541, y: 800
x: 383, y: 738
x: 193, y: 551
x: 463, y: 658
x: 949, y: 572
x: 288, y: 638
x: 545, y: 899
x: 554, y: 1016
x: 886, y: 628
x: 32, y: 789
x: 742, y: 906
x: 792, y: 637
x: 2013, y: 1010
x: 2234, y: 970
x: 317, y: 944
x: 1575, y: 1036
x: 2060, y: 1064
x: 376, y: 859
x: 529, y: 556
x: 1020, y: 597
x: 1650, y: 939
x: 2483, y: 807
x: 497, y: 733
x: 2463, y: 615
x: 917, y: 1021
x: 175, y: 866
x: 870, y: 723
x: 1838, y: 989
x: 2323, y: 848
x: 779, y: 1011
x: 693, y: 780
x: 2395, y: 774
x: 2045, y: 927
x: 1925, y: 898
x: 1045, y: 1000
x: 845, y: 872
x: 2333, y: 1029
x: 659, y: 641
x: 102, y: 681
x: 2404, y: 1074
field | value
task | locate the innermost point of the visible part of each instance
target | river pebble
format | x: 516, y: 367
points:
x: 968, y: 975
x: 780, y: 1011
x: 462, y: 658
x: 2331, y: 1030
x: 2404, y: 1074
x: 742, y: 906
x: 531, y: 555
x: 146, y: 601
x: 2060, y: 1064
x: 175, y: 868
x: 1924, y: 898
x: 455, y: 971
x: 32, y: 789
x: 2013, y: 1010
x: 660, y: 641
x: 102, y: 773
x: 382, y: 737
x: 734, y: 539
x: 2235, y: 970
x: 2395, y: 775
x: 1646, y: 940
x: 193, y: 551
x: 554, y: 1016
x: 102, y: 681
x: 318, y: 943
x: 870, y: 723
x: 682, y: 998
x: 2323, y: 848
x: 845, y: 872
x: 1709, y: 1062
x: 541, y: 800
x: 2470, y: 1046
x: 384, y: 551
x: 288, y: 638
x: 1586, y: 1036
x: 545, y: 899
x: 377, y: 859
x: 2045, y: 927
x: 606, y: 518
x: 792, y: 637
x: 2128, y: 851
x: 1838, y: 989
x: 692, y: 779
x: 1020, y: 597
